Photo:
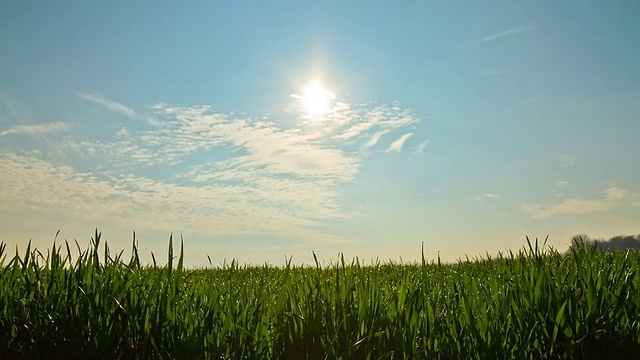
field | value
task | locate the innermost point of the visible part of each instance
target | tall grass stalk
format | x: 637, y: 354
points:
x: 533, y: 304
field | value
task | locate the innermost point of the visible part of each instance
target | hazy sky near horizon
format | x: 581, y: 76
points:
x: 269, y: 128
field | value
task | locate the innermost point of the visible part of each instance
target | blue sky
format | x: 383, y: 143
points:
x: 271, y: 128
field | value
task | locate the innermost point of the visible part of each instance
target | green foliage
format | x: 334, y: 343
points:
x: 536, y: 304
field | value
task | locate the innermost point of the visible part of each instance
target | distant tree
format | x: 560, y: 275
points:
x: 616, y: 243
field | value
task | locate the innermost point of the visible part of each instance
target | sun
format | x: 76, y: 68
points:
x: 316, y: 100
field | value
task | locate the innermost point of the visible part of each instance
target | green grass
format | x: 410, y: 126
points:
x: 535, y: 304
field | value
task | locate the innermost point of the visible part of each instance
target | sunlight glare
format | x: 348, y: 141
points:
x: 316, y: 100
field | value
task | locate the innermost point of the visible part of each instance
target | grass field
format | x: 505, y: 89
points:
x: 533, y: 304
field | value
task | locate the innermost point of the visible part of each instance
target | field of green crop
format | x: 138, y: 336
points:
x: 535, y: 304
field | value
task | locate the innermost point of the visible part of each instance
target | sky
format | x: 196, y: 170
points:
x: 265, y: 130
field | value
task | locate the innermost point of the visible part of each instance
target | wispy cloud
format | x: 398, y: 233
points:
x: 108, y: 103
x: 613, y: 197
x: 420, y: 148
x: 509, y: 32
x: 220, y: 173
x: 194, y: 130
x: 115, y: 106
x: 23, y: 123
x: 572, y: 206
x: 263, y: 205
x: 398, y: 144
x: 376, y: 137
x: 615, y: 193
x: 36, y: 129
x: 489, y: 196
x: 256, y: 144
x: 361, y: 121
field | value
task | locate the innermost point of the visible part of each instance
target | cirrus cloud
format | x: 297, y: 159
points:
x: 200, y: 170
x: 505, y: 33
x: 35, y: 129
x: 398, y: 144
x: 614, y: 197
